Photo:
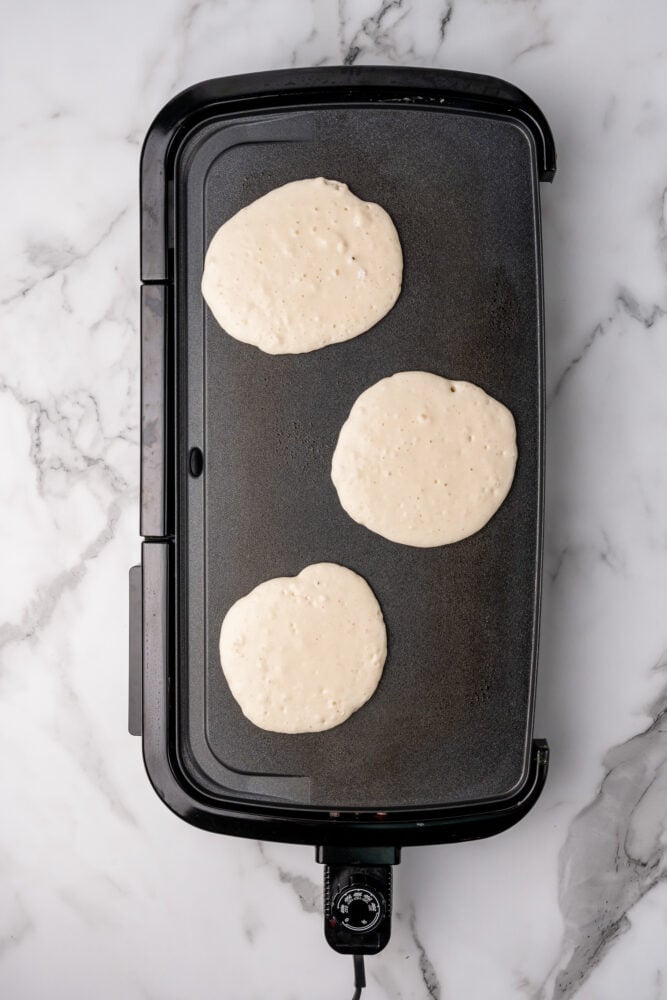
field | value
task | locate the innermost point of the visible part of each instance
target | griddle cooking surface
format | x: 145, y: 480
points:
x: 452, y: 717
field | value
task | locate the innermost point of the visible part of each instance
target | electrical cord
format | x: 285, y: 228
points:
x: 359, y: 976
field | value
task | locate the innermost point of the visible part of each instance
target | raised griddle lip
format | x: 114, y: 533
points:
x: 321, y: 85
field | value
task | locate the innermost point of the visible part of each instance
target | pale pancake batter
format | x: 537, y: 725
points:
x: 424, y: 461
x: 306, y: 265
x: 302, y: 653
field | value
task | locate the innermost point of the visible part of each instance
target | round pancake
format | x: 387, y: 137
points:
x: 307, y: 265
x: 424, y: 461
x: 302, y: 653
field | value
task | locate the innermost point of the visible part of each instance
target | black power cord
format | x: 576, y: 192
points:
x: 359, y: 976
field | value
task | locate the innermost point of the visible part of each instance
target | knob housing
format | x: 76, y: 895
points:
x: 357, y: 908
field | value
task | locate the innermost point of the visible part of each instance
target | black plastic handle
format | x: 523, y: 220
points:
x: 153, y: 514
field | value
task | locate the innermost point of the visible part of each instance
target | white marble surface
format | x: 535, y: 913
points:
x: 103, y: 893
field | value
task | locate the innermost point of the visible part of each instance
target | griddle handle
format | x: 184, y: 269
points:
x: 153, y: 504
x: 135, y: 680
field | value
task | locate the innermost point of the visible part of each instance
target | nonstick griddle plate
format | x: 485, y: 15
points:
x: 451, y: 720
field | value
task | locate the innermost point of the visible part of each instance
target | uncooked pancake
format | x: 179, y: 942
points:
x: 302, y: 653
x: 306, y: 265
x: 424, y: 461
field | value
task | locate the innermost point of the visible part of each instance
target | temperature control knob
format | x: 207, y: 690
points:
x: 358, y: 909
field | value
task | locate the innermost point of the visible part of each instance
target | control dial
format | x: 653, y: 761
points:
x: 358, y: 909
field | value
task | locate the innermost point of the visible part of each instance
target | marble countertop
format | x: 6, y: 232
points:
x: 103, y: 892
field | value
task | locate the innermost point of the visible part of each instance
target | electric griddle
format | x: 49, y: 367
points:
x: 235, y: 472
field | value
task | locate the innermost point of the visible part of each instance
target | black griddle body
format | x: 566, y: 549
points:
x: 177, y: 698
